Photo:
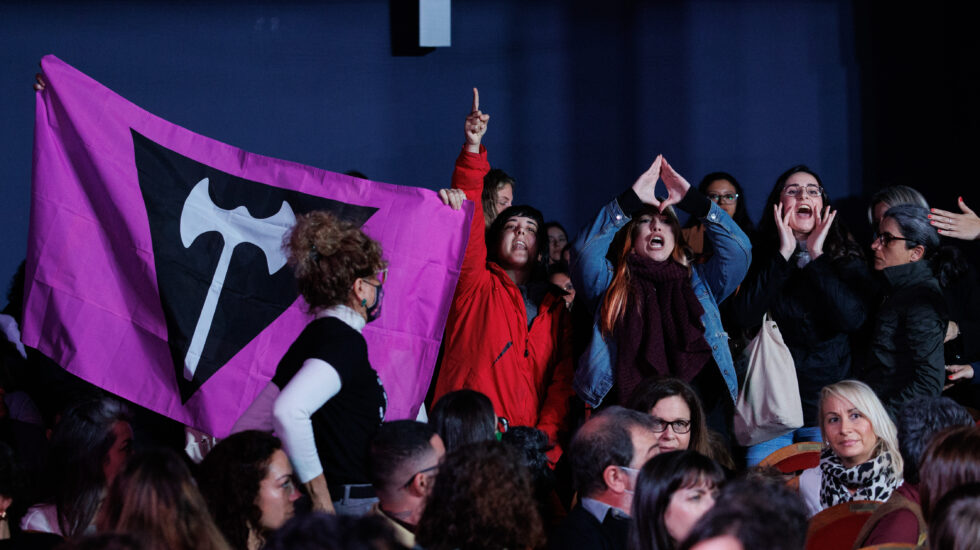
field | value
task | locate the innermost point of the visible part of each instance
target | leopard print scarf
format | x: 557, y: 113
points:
x: 872, y: 480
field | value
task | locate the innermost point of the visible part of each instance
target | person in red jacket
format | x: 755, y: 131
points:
x: 507, y: 335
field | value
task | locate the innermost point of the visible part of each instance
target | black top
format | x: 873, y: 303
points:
x: 582, y: 531
x: 344, y: 425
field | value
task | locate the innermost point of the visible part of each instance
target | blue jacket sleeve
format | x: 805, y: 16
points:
x: 730, y: 262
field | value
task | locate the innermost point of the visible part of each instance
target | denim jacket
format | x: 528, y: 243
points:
x: 712, y: 281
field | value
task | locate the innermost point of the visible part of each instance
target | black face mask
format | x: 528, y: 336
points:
x: 374, y: 311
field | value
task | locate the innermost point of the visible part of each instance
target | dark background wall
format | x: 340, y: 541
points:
x: 582, y: 95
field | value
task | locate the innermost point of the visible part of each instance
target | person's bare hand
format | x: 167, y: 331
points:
x: 646, y: 184
x: 952, y: 331
x: 817, y: 237
x: 964, y: 226
x: 676, y: 185
x: 476, y: 125
x: 958, y: 372
x: 39, y: 83
x: 452, y: 197
x: 787, y: 241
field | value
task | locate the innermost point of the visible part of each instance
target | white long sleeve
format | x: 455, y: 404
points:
x: 315, y: 383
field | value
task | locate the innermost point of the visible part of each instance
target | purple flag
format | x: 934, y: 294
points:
x: 155, y: 268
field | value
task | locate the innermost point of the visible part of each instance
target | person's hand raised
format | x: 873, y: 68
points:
x: 476, y: 125
x: 646, y: 184
x: 964, y: 226
x: 817, y: 237
x: 676, y: 185
x: 787, y: 241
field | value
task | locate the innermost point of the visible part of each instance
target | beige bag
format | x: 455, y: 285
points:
x: 769, y: 401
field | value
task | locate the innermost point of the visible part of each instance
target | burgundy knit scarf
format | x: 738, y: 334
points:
x: 661, y: 332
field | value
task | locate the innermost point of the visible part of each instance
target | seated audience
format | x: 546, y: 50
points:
x: 906, y: 361
x: 403, y: 461
x: 319, y: 531
x: 88, y: 448
x: 154, y: 498
x: 248, y: 484
x: 463, y: 416
x: 507, y: 335
x: 673, y: 491
x: 952, y: 459
x: 751, y: 514
x: 861, y: 460
x: 899, y: 519
x: 678, y: 416
x: 606, y: 454
x: 481, y: 501
x: 956, y: 523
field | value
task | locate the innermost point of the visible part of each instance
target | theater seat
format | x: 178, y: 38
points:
x: 890, y: 546
x: 837, y: 527
x: 795, y: 458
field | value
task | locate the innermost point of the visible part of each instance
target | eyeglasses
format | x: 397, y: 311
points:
x: 886, y: 238
x: 426, y: 470
x: 727, y: 198
x: 679, y: 426
x: 796, y: 190
x: 381, y: 276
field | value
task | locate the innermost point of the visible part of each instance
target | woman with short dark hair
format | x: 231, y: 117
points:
x: 463, y: 416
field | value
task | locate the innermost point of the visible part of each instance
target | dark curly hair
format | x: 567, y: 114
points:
x: 481, y: 501
x: 229, y: 478
x: 839, y: 243
x: 327, y: 255
x: 921, y: 419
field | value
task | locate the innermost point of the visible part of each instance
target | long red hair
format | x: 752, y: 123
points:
x: 617, y: 295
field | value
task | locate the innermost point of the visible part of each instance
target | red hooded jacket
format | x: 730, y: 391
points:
x: 526, y: 372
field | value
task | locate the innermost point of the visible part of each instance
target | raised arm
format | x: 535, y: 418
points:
x: 964, y: 226
x: 471, y: 167
x: 591, y: 270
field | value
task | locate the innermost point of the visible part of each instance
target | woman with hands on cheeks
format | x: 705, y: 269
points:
x: 655, y: 313
x: 507, y: 335
x: 806, y: 274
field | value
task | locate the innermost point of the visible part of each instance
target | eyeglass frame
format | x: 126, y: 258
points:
x: 887, y: 238
x: 722, y: 198
x: 422, y: 471
x: 686, y: 424
x: 798, y: 189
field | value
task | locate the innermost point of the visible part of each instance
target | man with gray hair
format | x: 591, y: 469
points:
x: 606, y: 455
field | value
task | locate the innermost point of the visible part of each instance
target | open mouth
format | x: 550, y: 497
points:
x: 657, y: 242
x: 520, y: 245
x: 804, y: 211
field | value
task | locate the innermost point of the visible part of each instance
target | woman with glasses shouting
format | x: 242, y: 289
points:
x: 907, y: 360
x: 724, y: 190
x: 807, y: 273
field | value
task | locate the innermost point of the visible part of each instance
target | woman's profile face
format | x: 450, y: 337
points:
x: 801, y: 198
x: 848, y: 431
x: 653, y: 237
x: 686, y: 507
x: 889, y: 248
x: 505, y: 198
x: 276, y: 492
x: 119, y: 453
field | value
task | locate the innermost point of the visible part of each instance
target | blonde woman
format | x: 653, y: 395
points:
x: 861, y: 460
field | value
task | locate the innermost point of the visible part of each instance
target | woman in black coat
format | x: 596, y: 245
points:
x: 808, y: 274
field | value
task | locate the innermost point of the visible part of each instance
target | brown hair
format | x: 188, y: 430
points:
x: 651, y: 390
x: 155, y: 498
x: 614, y: 302
x: 952, y: 459
x: 482, y: 500
x: 493, y: 182
x: 327, y: 255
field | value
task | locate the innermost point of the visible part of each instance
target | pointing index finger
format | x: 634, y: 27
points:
x: 476, y: 100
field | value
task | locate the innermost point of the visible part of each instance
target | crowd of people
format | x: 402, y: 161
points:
x: 584, y: 396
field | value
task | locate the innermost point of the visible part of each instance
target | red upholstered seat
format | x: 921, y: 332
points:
x: 794, y: 458
x: 837, y: 527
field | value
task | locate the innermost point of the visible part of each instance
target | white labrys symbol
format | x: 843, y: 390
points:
x: 199, y: 216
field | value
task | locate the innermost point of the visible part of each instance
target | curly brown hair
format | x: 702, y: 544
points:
x: 327, y: 255
x: 482, y: 500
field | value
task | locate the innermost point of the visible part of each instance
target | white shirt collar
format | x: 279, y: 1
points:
x: 346, y: 314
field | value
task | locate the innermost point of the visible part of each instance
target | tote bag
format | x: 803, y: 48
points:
x: 768, y: 404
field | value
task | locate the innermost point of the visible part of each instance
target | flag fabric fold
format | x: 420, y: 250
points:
x: 155, y: 267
